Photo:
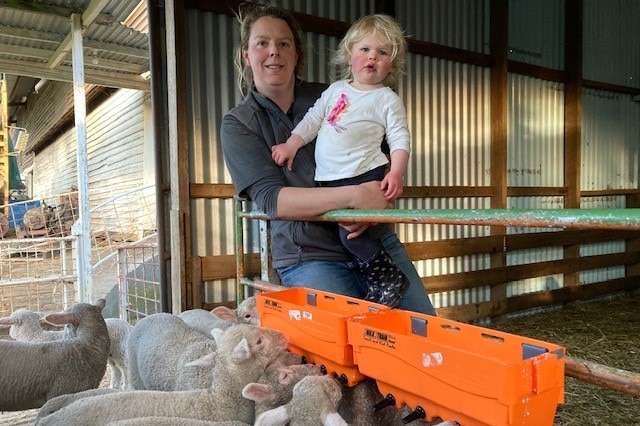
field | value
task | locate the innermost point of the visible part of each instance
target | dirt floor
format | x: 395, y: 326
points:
x: 605, y: 331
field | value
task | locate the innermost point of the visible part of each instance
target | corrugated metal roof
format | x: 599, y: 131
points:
x: 115, y: 54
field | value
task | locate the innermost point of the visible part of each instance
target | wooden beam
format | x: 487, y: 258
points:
x: 41, y: 55
x: 88, y: 16
x: 573, y: 117
x: 65, y: 73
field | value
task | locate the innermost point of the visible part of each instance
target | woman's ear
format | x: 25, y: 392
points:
x: 245, y: 57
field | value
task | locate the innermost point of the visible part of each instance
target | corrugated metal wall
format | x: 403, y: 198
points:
x: 612, y: 42
x: 449, y: 119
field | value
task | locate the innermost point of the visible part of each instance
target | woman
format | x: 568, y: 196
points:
x: 308, y: 254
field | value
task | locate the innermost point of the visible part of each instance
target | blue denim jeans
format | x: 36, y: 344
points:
x: 345, y: 277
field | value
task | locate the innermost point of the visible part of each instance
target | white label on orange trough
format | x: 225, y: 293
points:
x: 294, y: 314
x: 432, y: 360
x: 307, y: 315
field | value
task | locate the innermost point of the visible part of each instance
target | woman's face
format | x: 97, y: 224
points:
x: 271, y: 54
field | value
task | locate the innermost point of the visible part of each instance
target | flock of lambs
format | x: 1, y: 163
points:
x: 196, y: 368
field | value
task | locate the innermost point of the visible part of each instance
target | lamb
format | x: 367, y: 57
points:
x: 54, y: 404
x: 63, y: 400
x: 275, y: 386
x: 172, y: 421
x: 204, y: 321
x: 221, y: 317
x: 244, y: 351
x: 25, y: 326
x: 119, y: 332
x: 356, y: 407
x: 159, y: 347
x: 315, y: 402
x: 34, y: 372
x: 246, y: 311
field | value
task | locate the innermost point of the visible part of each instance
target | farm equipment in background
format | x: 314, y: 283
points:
x: 39, y: 218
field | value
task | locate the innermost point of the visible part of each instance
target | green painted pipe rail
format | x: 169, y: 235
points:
x: 547, y: 218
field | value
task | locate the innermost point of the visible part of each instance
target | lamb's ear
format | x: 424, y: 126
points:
x: 208, y: 360
x: 217, y: 333
x: 61, y: 318
x: 101, y: 303
x: 6, y: 321
x: 258, y: 392
x: 334, y: 419
x: 241, y: 352
x: 285, y: 375
x: 225, y: 313
x: 274, y: 417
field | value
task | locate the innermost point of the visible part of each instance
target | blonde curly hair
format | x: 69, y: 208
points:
x: 388, y: 31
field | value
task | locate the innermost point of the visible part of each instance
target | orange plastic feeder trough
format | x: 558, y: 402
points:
x: 456, y: 371
x: 315, y: 324
x: 440, y: 368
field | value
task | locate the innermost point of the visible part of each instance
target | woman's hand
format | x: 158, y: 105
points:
x: 369, y: 196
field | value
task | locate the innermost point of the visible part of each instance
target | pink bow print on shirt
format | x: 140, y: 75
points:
x: 339, y: 108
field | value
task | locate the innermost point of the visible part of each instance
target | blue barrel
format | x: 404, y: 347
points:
x: 17, y: 209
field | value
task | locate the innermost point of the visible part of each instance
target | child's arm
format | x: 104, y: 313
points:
x: 285, y: 152
x: 393, y: 181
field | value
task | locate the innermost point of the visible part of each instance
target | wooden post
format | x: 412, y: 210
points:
x: 602, y: 375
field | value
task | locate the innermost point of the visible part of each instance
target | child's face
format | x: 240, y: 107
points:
x: 370, y: 62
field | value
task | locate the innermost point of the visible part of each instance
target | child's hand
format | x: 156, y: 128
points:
x: 281, y: 155
x: 286, y: 152
x: 392, y: 184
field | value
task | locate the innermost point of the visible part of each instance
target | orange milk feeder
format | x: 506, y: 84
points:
x: 442, y: 369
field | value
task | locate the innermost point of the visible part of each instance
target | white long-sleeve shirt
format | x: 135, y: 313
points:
x: 350, y: 125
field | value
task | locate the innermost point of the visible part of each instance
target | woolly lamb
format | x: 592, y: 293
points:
x: 54, y: 404
x: 275, y: 386
x: 204, y: 321
x: 246, y: 311
x: 221, y: 317
x: 159, y: 347
x: 356, y: 407
x: 119, y: 332
x: 32, y: 372
x: 26, y: 326
x: 172, y: 421
x: 314, y: 403
x: 244, y: 351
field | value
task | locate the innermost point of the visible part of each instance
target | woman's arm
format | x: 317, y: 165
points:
x: 308, y: 202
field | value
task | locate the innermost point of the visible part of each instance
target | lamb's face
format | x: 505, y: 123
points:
x: 247, y: 312
x: 325, y: 389
x: 245, y: 343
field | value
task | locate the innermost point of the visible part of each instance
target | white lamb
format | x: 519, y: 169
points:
x: 314, y: 403
x: 275, y: 385
x: 25, y: 325
x: 118, y: 361
x: 54, y: 404
x: 160, y: 345
x: 246, y: 311
x: 221, y: 317
x: 244, y: 351
x: 172, y: 421
x: 204, y: 321
x: 32, y: 372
